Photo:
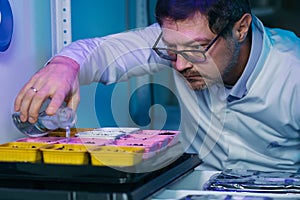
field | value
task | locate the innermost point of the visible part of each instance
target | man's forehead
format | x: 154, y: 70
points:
x: 197, y: 19
x: 195, y: 28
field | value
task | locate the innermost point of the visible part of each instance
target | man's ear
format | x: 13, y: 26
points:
x: 242, y: 27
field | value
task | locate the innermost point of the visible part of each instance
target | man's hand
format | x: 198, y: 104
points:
x: 58, y: 81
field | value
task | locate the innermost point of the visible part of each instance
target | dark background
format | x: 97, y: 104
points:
x: 285, y: 13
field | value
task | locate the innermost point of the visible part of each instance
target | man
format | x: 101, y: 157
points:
x: 236, y: 79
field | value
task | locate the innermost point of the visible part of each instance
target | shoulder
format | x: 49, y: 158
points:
x: 284, y: 41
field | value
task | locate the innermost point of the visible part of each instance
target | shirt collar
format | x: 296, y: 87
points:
x: 239, y: 90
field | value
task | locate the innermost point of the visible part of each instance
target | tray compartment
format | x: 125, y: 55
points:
x: 21, y: 152
x: 116, y: 156
x: 65, y: 154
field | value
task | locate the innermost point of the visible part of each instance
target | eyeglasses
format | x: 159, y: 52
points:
x: 193, y: 56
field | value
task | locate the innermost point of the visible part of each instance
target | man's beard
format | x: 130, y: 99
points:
x: 234, y: 48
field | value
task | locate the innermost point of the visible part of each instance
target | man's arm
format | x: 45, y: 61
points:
x: 108, y: 59
x: 116, y: 57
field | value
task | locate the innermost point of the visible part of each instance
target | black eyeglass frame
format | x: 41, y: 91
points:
x: 183, y: 53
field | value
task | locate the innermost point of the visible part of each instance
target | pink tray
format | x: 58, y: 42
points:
x: 163, y: 136
x: 150, y: 145
x: 48, y: 140
x: 85, y: 141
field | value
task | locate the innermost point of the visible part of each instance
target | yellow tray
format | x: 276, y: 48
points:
x: 21, y: 152
x: 65, y: 154
x: 120, y: 156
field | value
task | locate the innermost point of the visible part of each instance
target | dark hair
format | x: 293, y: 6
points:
x: 219, y: 13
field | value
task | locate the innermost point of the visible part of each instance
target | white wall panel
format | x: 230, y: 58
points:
x: 29, y: 50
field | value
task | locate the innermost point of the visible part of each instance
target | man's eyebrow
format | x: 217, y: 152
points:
x: 189, y: 43
x: 198, y: 40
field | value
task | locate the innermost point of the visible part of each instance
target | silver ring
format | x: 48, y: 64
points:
x: 33, y: 89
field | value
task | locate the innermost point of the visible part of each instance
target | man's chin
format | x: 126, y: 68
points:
x: 197, y: 85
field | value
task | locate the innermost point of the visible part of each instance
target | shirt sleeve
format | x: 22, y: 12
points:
x: 116, y: 57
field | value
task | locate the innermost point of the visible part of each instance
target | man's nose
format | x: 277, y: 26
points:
x: 181, y: 63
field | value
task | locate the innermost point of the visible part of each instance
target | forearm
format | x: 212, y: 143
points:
x: 115, y: 57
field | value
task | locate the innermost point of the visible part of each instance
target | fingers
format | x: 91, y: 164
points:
x: 73, y: 102
x: 24, y: 99
x: 74, y: 97
x: 20, y: 96
x: 56, y: 101
x: 36, y: 103
x: 29, y: 101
